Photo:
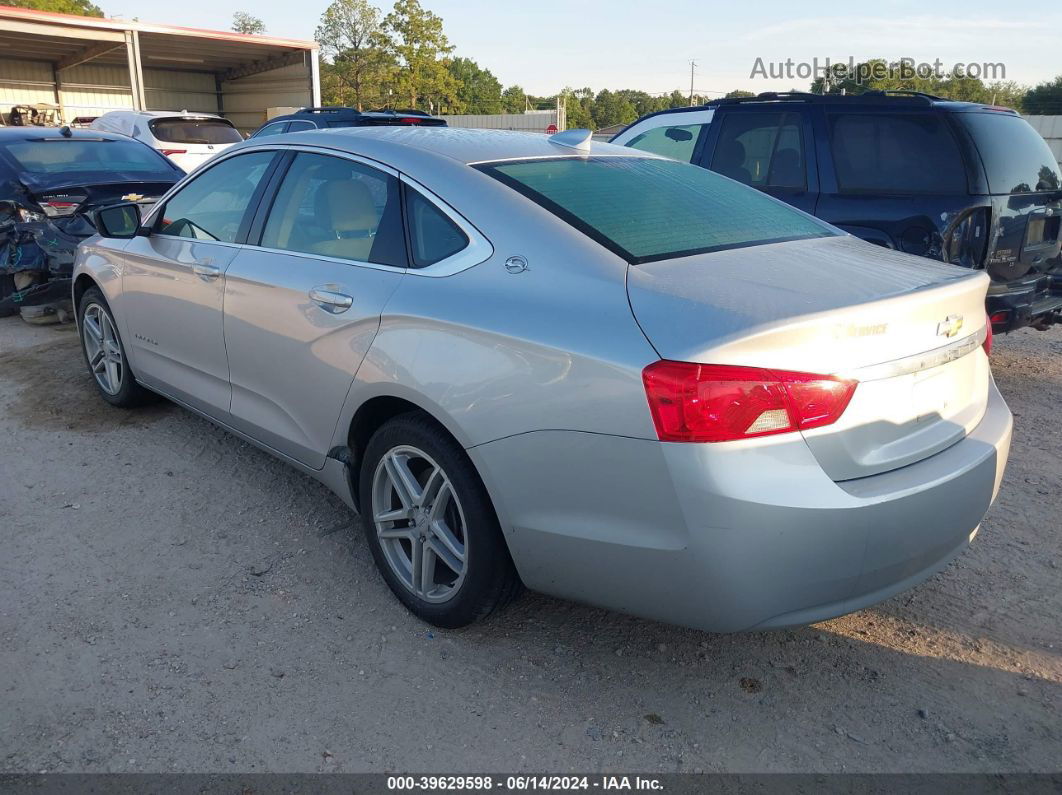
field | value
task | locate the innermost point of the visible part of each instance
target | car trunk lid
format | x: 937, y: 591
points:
x: 906, y: 328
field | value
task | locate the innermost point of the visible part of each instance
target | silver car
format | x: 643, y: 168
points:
x: 583, y: 369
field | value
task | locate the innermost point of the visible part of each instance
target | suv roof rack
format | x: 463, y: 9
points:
x: 805, y: 96
x: 329, y: 109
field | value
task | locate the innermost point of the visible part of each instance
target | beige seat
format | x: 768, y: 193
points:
x: 346, y: 207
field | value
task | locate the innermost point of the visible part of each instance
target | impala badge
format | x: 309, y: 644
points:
x: 949, y: 326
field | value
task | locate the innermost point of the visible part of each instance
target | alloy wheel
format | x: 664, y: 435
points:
x: 420, y: 523
x: 102, y: 349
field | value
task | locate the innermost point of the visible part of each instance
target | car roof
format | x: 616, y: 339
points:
x: 8, y: 134
x: 881, y: 99
x: 348, y: 114
x: 155, y: 114
x: 392, y: 144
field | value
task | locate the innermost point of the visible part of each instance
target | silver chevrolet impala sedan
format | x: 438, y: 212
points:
x: 579, y: 368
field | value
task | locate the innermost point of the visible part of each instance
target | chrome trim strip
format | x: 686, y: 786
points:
x: 919, y: 361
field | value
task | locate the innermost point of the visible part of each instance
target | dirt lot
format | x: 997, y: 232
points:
x: 134, y: 635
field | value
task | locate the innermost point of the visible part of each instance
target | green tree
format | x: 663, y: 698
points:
x: 738, y: 93
x: 420, y: 47
x: 82, y: 8
x: 612, y: 108
x: 578, y: 104
x: 478, y: 90
x: 514, y: 100
x: 359, y: 67
x: 242, y: 22
x: 676, y: 99
x: 1045, y: 99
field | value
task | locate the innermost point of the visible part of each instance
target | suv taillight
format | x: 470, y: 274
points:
x: 719, y: 403
x: 987, y: 344
x: 169, y: 152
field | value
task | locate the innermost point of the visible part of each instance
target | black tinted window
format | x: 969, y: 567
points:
x: 676, y: 142
x: 295, y: 126
x: 432, y: 235
x: 1015, y: 157
x: 337, y: 208
x: 62, y: 156
x: 194, y: 131
x: 212, y: 206
x: 899, y: 153
x: 761, y: 149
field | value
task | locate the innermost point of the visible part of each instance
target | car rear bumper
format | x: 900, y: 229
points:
x: 1033, y: 301
x: 733, y: 537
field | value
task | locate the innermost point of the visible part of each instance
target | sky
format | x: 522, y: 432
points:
x: 545, y: 45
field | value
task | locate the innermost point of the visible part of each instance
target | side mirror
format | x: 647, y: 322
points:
x: 119, y: 221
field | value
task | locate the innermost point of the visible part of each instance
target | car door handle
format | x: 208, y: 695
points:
x: 206, y: 270
x: 331, y: 300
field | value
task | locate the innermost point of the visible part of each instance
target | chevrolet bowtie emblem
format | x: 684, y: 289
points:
x: 132, y: 197
x: 949, y: 326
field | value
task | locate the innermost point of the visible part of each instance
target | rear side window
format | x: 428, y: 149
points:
x: 336, y: 207
x: 646, y: 209
x: 295, y: 126
x: 213, y: 204
x: 1016, y: 158
x: 194, y: 131
x: 765, y: 150
x: 276, y: 128
x: 676, y: 142
x: 896, y: 154
x: 432, y: 236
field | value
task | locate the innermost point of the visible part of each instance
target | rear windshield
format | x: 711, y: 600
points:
x: 54, y: 159
x: 194, y: 131
x: 1016, y: 158
x: 647, y: 209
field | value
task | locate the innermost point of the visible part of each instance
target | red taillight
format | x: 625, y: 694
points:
x: 409, y: 120
x: 169, y: 152
x: 987, y: 344
x: 719, y: 403
x: 55, y: 209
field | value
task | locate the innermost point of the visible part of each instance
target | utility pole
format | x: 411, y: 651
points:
x: 693, y: 65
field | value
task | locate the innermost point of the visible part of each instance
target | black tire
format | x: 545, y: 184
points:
x: 489, y: 580
x: 130, y: 394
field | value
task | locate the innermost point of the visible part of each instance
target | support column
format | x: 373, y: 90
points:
x: 315, y: 77
x: 136, y: 72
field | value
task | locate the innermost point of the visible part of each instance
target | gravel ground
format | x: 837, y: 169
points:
x: 173, y: 599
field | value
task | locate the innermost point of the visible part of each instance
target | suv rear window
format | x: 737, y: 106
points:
x: 647, y: 209
x: 1016, y: 158
x: 194, y: 131
x: 896, y: 153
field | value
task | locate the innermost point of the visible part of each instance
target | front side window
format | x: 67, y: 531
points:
x: 432, y: 235
x: 676, y: 142
x: 896, y: 154
x: 647, y: 209
x: 765, y: 150
x: 212, y: 206
x: 336, y: 207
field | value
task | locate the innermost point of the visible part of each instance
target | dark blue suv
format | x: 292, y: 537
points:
x: 320, y: 118
x: 970, y: 184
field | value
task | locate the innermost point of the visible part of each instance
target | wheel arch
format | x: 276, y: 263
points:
x: 81, y: 285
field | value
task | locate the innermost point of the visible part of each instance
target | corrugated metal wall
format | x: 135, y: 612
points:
x: 169, y: 90
x: 246, y: 99
x: 527, y: 122
x: 93, y: 89
x: 1050, y: 127
x: 24, y: 83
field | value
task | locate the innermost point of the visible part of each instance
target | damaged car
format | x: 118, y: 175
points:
x: 51, y: 183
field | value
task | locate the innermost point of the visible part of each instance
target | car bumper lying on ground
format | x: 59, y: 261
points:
x: 726, y: 539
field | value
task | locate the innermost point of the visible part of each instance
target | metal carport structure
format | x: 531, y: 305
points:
x: 88, y: 66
